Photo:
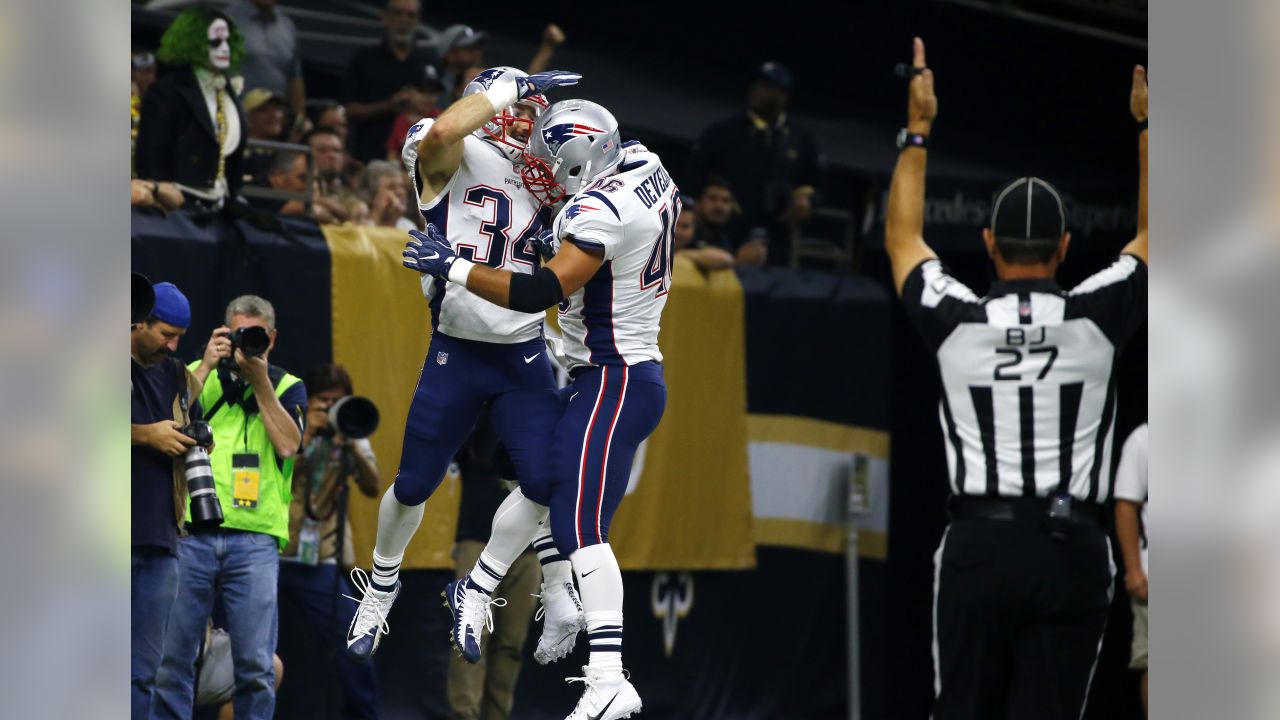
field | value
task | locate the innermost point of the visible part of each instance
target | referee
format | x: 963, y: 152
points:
x: 1023, y: 575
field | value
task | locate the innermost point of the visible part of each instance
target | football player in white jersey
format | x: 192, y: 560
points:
x: 465, y: 168
x: 610, y: 274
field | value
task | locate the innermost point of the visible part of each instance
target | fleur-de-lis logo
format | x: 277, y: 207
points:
x: 672, y: 599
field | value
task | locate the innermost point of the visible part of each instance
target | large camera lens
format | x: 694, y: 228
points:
x: 252, y: 340
x: 206, y: 511
x: 354, y: 416
x: 142, y: 298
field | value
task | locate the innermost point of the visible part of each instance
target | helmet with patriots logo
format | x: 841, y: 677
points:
x: 499, y: 129
x: 573, y: 143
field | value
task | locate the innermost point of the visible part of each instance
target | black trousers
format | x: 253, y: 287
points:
x: 1018, y: 619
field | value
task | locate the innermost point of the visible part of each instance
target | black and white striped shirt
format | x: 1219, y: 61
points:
x: 1028, y: 399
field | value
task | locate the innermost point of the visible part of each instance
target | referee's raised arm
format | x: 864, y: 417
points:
x: 904, y: 222
x: 1138, y: 106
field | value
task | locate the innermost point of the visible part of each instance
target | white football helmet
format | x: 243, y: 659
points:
x: 573, y: 143
x: 498, y: 129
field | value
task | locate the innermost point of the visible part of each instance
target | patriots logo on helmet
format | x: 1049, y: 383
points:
x: 557, y: 135
x: 487, y: 77
x: 574, y: 210
x: 415, y: 129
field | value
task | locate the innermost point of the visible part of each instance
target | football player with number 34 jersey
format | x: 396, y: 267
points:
x: 465, y: 169
x: 610, y: 272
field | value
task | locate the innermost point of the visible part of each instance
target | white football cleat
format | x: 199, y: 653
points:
x: 608, y: 695
x: 562, y: 620
x: 370, y: 621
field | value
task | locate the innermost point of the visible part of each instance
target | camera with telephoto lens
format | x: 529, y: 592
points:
x: 206, y: 511
x: 353, y: 416
x: 251, y: 340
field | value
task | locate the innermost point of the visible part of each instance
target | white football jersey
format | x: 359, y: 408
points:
x: 631, y: 215
x: 488, y: 218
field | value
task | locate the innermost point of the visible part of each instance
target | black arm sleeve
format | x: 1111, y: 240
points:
x: 536, y: 292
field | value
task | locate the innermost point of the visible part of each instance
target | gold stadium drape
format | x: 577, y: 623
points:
x: 691, y: 505
x: 381, y: 329
x: 691, y: 508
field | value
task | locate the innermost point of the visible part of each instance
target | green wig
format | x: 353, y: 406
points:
x: 186, y: 41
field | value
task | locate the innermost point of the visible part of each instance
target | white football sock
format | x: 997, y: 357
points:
x: 600, y: 584
x: 514, y: 525
x: 397, y: 523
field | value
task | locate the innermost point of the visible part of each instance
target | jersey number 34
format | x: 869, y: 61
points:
x: 496, y: 230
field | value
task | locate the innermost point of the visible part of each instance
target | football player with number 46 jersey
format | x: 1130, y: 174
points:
x: 609, y: 273
x: 465, y: 170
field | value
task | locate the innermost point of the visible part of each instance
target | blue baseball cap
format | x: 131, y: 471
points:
x: 171, y: 305
x: 775, y: 73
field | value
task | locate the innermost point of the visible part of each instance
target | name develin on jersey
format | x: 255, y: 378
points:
x: 651, y: 189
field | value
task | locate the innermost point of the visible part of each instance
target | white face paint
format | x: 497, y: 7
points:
x: 219, y: 44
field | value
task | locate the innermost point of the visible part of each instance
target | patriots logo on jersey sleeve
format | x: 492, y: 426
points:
x: 557, y: 135
x: 573, y: 211
x: 487, y: 77
x: 414, y: 130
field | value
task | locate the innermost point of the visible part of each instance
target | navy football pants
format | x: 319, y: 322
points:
x: 458, y: 378
x: 609, y: 411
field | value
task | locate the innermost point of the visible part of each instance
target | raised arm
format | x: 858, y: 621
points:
x: 429, y: 252
x: 1138, y: 106
x: 904, y: 221
x: 440, y: 150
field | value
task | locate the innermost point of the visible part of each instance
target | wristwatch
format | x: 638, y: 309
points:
x: 907, y: 139
x: 1142, y: 125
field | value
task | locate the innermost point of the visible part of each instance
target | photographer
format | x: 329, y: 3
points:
x: 162, y: 392
x: 320, y: 536
x: 255, y: 411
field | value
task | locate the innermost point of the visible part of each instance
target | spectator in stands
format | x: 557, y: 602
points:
x: 387, y: 189
x: 158, y: 381
x: 265, y: 112
x: 719, y: 224
x: 703, y: 254
x: 487, y: 689
x: 331, y: 196
x: 192, y: 130
x: 256, y: 412
x: 773, y: 165
x: 142, y: 69
x: 460, y: 49
x: 334, y: 117
x: 376, y: 81
x: 288, y: 171
x: 423, y: 104
x: 320, y: 545
x: 273, y: 57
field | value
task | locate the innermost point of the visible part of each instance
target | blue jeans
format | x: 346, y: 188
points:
x: 317, y: 590
x: 242, y: 568
x: 153, y: 586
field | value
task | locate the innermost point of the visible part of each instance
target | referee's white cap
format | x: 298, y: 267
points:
x: 1028, y: 209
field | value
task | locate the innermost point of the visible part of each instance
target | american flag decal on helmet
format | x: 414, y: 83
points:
x: 557, y: 135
